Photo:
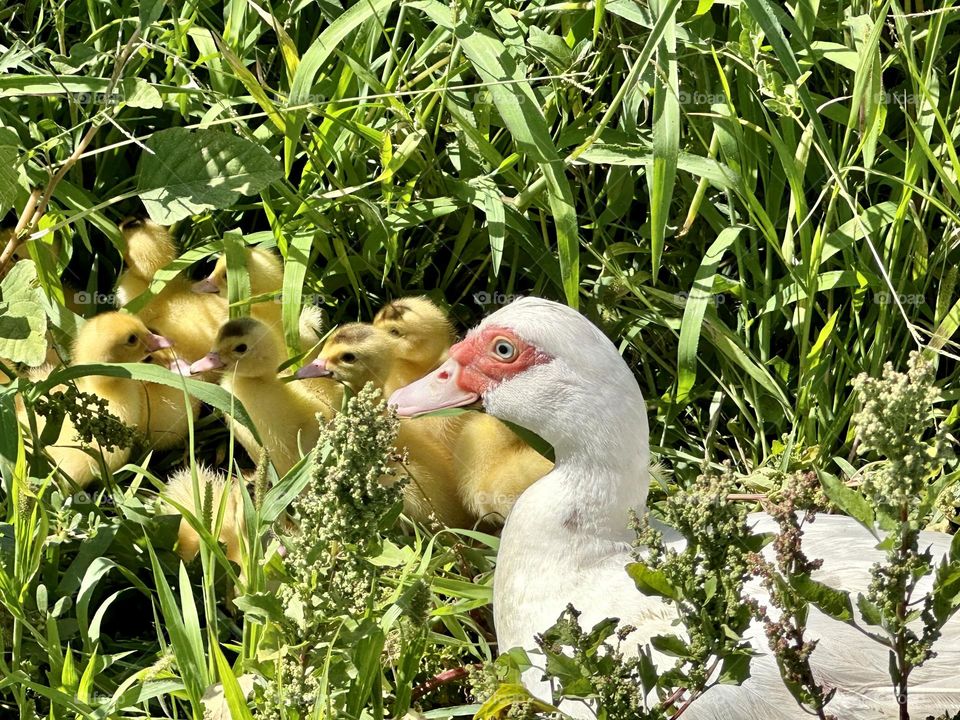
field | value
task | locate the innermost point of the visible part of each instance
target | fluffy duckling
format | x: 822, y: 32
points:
x: 493, y: 465
x: 107, y: 338
x: 149, y: 248
x: 179, y: 490
x: 424, y: 334
x: 265, y: 271
x: 285, y: 414
x: 356, y: 354
x: 189, y: 319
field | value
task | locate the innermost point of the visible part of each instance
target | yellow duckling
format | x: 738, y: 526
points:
x: 107, y: 338
x: 424, y: 334
x: 492, y: 464
x: 285, y: 414
x: 265, y: 271
x: 179, y: 490
x: 356, y: 354
x: 149, y: 248
x: 189, y: 319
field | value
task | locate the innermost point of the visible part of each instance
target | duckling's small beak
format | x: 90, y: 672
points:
x: 179, y: 366
x: 437, y: 391
x: 206, y: 286
x: 154, y: 342
x: 317, y: 369
x: 210, y: 361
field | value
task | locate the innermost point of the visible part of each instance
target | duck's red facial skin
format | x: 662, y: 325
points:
x: 486, y: 361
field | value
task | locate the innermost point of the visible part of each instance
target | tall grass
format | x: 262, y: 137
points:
x: 758, y: 203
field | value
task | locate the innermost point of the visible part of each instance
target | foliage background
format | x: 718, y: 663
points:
x: 757, y: 203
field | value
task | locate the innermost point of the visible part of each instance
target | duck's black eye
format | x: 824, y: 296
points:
x: 348, y: 358
x: 395, y: 332
x: 131, y: 339
x: 504, y: 349
x: 241, y: 348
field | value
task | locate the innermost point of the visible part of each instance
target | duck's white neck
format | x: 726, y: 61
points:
x: 598, y: 429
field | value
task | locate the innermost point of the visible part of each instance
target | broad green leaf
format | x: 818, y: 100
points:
x: 850, y: 501
x: 652, y: 582
x: 185, y: 172
x: 834, y: 603
x: 670, y: 645
x: 23, y: 322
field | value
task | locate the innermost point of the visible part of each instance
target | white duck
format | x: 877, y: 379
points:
x: 545, y: 367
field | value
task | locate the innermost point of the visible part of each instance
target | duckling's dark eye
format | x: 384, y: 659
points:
x: 348, y: 358
x: 241, y: 348
x: 395, y: 332
x: 504, y: 349
x: 131, y: 339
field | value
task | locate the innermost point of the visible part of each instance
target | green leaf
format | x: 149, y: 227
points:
x: 834, y: 603
x: 735, y: 669
x: 185, y: 172
x: 316, y: 56
x: 652, y: 582
x: 850, y: 501
x: 23, y: 322
x: 666, y: 137
x: 232, y: 691
x: 212, y: 395
x: 520, y: 111
x: 263, y: 607
x: 869, y: 611
x: 697, y: 301
x: 238, y: 280
x: 670, y: 645
x: 9, y: 177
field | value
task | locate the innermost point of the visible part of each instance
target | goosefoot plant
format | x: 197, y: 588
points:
x: 704, y: 581
x: 785, y: 579
x: 897, y: 424
x: 347, y: 629
x: 330, y: 591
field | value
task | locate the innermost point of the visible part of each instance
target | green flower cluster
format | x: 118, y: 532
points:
x: 707, y: 575
x: 332, y: 585
x: 800, y: 498
x: 897, y: 421
x: 897, y: 412
x: 90, y: 416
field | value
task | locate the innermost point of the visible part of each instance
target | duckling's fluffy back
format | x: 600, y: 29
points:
x: 179, y: 491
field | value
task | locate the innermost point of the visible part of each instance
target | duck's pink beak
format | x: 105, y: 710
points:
x: 317, y: 369
x: 437, y: 391
x: 210, y: 361
x: 154, y: 342
x: 206, y: 286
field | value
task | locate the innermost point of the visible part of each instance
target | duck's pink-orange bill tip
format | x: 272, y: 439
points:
x: 437, y: 391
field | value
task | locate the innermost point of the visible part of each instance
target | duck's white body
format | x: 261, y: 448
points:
x: 567, y: 539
